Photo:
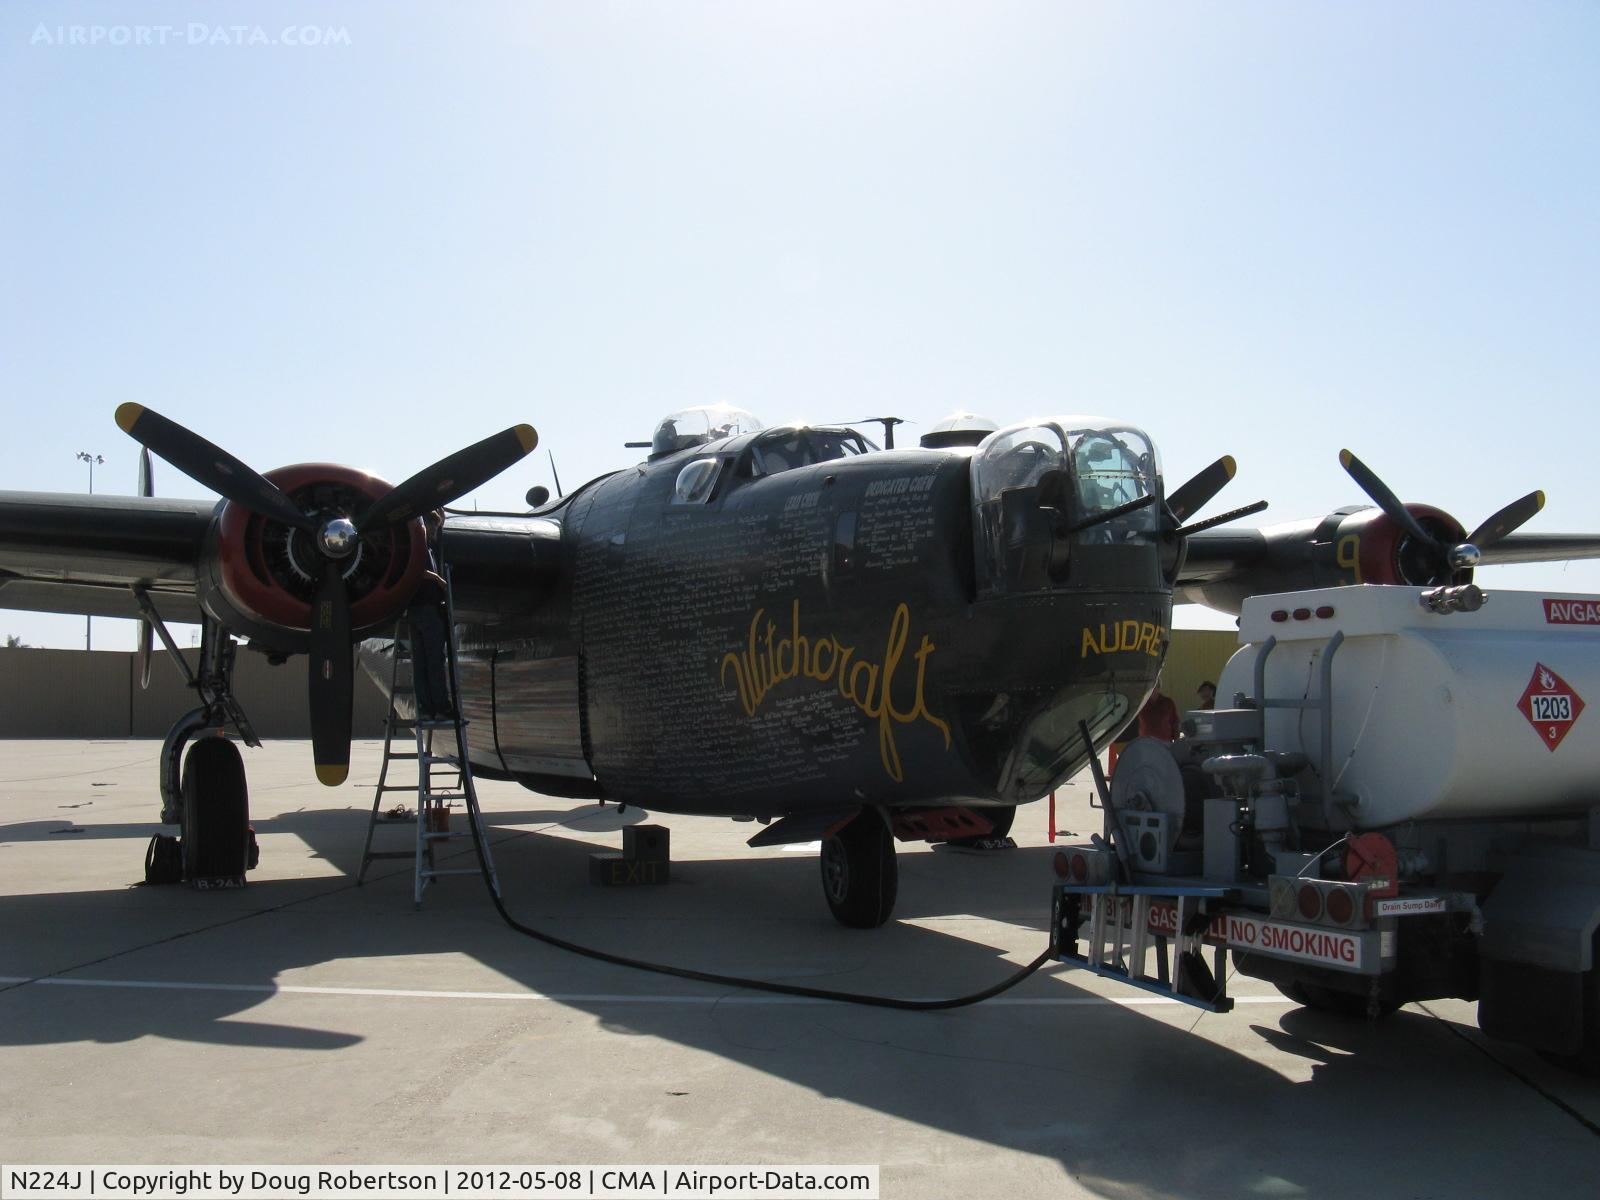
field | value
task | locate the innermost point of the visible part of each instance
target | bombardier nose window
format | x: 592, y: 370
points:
x: 1037, y: 489
x: 1109, y: 472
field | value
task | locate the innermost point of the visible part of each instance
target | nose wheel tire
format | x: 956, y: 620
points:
x: 859, y: 873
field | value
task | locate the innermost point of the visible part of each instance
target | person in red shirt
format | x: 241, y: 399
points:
x: 1159, y: 717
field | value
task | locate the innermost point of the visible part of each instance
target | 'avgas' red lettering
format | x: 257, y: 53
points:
x: 1572, y: 612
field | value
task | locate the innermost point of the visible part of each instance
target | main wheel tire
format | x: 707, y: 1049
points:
x: 216, y: 812
x: 1586, y: 1060
x: 859, y: 874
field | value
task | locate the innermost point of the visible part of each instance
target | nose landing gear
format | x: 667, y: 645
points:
x: 859, y: 874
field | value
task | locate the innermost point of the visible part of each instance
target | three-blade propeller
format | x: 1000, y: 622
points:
x: 335, y: 537
x: 1190, y: 497
x: 1194, y: 495
x: 1461, y: 556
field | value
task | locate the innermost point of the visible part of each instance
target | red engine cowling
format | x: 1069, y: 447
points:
x: 262, y: 575
x: 1371, y: 547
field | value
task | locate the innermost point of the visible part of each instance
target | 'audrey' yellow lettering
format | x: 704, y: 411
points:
x: 1139, y: 637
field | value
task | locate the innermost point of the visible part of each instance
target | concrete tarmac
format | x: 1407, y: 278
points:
x: 304, y: 1019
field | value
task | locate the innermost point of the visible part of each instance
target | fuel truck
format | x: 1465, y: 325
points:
x: 1398, y: 800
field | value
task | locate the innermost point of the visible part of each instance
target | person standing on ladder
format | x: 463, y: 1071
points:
x: 426, y: 618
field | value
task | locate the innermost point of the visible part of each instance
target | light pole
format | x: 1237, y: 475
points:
x: 92, y: 459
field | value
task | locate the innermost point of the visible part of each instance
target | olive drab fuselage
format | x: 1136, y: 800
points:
x: 852, y: 631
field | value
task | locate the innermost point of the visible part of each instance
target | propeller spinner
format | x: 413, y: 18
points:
x: 335, y: 537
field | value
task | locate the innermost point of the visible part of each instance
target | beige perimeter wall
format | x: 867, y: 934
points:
x: 96, y: 694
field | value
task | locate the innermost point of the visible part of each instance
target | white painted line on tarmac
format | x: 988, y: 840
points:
x: 270, y: 989
x: 1129, y: 1002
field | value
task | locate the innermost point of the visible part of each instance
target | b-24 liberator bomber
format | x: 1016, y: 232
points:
x: 790, y: 625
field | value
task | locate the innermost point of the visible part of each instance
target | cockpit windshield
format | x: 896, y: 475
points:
x: 1044, y: 485
x: 784, y: 449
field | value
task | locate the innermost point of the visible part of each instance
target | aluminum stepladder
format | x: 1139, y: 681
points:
x: 442, y: 778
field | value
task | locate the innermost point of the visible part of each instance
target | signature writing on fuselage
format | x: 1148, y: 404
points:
x: 768, y: 660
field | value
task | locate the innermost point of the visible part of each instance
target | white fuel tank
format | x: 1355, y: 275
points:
x: 1464, y: 714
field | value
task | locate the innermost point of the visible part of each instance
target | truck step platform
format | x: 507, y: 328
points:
x: 1112, y: 924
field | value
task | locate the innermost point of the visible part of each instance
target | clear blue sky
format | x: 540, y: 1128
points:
x: 1271, y: 229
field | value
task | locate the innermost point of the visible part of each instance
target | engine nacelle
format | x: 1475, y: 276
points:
x: 260, y: 576
x: 1371, y: 547
x: 1350, y: 545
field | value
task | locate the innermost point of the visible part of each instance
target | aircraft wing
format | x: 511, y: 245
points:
x: 1215, y: 556
x: 501, y: 563
x: 66, y: 553
x: 1221, y: 567
x: 81, y: 554
x: 1542, y: 547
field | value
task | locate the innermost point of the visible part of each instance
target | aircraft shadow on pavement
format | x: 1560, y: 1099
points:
x: 1093, y: 1087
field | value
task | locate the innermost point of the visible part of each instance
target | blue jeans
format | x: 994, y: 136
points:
x: 427, y: 660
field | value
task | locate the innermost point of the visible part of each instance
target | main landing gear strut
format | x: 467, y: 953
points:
x: 204, y: 791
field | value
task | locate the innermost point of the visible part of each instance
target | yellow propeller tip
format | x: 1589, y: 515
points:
x: 1344, y: 458
x: 1540, y: 494
x: 1229, y: 465
x: 332, y: 774
x: 528, y: 436
x: 128, y: 416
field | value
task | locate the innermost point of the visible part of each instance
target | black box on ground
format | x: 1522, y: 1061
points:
x: 652, y: 843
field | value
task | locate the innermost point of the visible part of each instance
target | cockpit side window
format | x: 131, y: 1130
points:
x: 830, y: 444
x: 697, y: 481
